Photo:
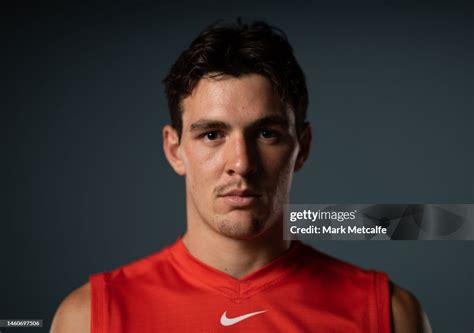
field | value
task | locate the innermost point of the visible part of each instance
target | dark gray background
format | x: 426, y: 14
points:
x: 86, y: 188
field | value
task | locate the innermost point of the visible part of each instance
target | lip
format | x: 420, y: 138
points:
x: 241, y: 193
x: 240, y: 198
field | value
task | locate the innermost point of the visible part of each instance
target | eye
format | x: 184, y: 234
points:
x: 268, y: 133
x: 211, y: 136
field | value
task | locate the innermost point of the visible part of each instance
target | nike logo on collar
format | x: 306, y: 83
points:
x: 231, y: 321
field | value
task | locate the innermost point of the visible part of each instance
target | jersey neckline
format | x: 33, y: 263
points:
x: 198, y: 272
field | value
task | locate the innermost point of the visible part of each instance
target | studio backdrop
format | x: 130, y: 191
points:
x: 84, y: 182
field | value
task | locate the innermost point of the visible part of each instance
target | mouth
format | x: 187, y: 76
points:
x: 240, y: 198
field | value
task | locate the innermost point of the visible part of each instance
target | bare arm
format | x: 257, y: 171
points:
x: 73, y: 315
x: 407, y: 314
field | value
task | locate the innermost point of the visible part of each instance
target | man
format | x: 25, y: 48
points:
x: 238, y: 101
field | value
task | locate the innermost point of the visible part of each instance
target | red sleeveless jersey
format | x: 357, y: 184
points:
x: 301, y: 291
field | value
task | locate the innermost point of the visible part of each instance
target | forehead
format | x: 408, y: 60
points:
x: 250, y: 97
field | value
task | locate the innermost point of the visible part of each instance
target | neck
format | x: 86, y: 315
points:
x: 235, y: 257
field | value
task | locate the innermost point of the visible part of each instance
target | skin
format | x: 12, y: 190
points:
x: 238, y: 151
x: 236, y: 136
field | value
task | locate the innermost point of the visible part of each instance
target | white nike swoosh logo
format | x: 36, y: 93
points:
x: 231, y: 321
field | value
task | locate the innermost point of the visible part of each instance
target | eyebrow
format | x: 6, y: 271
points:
x: 207, y: 124
x: 271, y: 120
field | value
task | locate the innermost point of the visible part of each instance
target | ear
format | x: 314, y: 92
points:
x: 305, y: 145
x: 171, y: 147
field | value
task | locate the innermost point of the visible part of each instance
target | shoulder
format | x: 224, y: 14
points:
x: 407, y: 314
x: 325, y: 264
x: 73, y: 315
x: 138, y: 269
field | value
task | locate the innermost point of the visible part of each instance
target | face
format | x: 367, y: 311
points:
x: 238, y: 151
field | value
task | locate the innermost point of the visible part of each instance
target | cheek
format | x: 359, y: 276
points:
x: 279, y: 163
x: 201, y: 166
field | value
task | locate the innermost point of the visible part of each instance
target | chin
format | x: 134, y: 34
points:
x: 241, y: 228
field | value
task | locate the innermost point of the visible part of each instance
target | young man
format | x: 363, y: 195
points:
x: 238, y: 101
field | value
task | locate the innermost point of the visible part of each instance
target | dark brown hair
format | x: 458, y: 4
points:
x: 238, y: 49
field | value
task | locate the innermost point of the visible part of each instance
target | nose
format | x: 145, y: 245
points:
x: 241, y: 156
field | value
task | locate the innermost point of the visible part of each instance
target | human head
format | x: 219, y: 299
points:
x: 238, y: 49
x: 238, y: 104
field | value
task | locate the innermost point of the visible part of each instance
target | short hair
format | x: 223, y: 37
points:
x: 238, y: 49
